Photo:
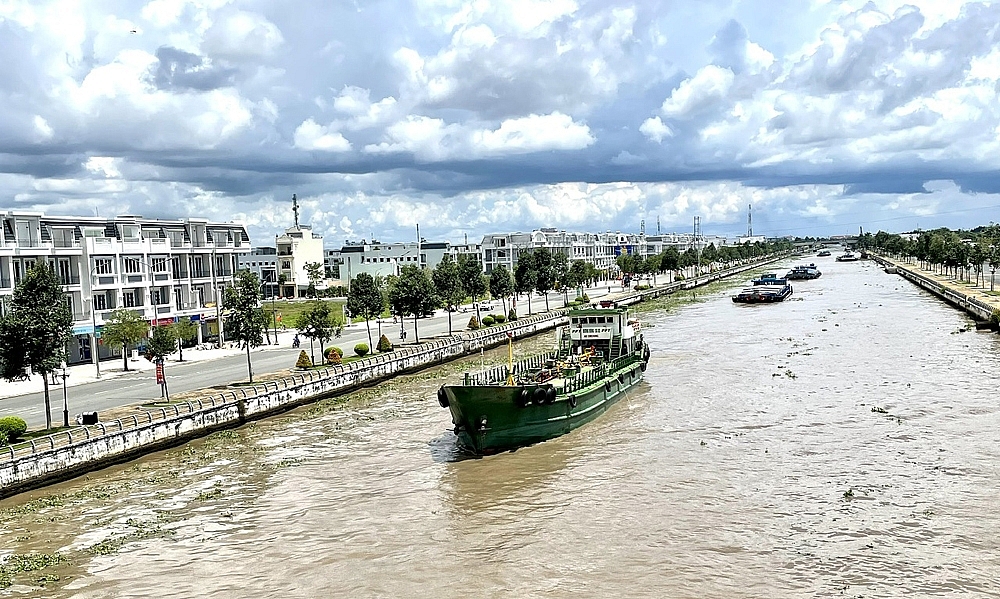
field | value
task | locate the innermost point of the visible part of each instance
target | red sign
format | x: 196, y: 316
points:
x: 162, y: 321
x: 160, y: 379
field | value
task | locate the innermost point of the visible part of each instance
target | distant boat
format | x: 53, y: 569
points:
x: 848, y: 256
x: 766, y: 290
x: 824, y: 253
x: 804, y: 272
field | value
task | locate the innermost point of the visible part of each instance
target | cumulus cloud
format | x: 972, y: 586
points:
x: 312, y: 136
x: 430, y: 139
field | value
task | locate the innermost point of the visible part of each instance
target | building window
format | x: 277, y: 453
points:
x: 132, y: 266
x: 102, y: 266
x: 159, y: 264
x: 130, y: 299
x: 101, y: 302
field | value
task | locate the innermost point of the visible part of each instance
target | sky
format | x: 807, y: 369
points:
x: 472, y: 117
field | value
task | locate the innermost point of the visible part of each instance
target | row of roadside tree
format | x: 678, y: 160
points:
x: 965, y: 255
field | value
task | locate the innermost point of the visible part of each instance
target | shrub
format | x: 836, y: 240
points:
x: 11, y: 428
x: 499, y: 318
x: 361, y: 349
x: 473, y: 324
x: 995, y: 317
x: 303, y: 361
x: 384, y: 344
x: 487, y: 320
x: 512, y: 315
x: 678, y: 277
x: 333, y: 355
x: 339, y: 351
x: 583, y: 298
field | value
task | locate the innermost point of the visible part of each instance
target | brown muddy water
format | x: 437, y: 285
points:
x: 842, y: 443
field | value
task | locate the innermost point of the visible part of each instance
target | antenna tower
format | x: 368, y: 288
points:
x: 295, y: 209
x: 642, y: 227
x: 749, y: 220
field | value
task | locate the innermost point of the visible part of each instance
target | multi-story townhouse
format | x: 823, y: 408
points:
x: 263, y: 262
x: 162, y: 269
x: 600, y: 249
x: 296, y: 248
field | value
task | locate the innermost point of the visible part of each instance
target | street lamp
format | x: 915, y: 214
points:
x: 65, y: 375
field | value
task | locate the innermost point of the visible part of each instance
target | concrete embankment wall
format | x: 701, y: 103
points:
x: 976, y: 308
x: 83, y: 449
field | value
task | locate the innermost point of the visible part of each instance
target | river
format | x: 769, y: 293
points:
x: 842, y: 443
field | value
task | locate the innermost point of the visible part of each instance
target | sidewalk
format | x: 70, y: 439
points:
x: 80, y: 374
x: 981, y: 294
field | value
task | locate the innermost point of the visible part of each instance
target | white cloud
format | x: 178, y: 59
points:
x: 242, y: 34
x: 533, y: 133
x: 430, y: 139
x: 312, y: 136
x: 655, y: 129
x: 709, y: 85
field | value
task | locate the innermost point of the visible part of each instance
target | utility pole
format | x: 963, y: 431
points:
x: 420, y: 263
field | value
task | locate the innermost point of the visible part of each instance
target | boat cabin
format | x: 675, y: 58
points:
x: 603, y: 333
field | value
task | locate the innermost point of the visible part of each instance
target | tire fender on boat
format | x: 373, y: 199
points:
x: 539, y: 395
x: 550, y: 395
x: 442, y: 398
x: 607, y: 385
x: 621, y: 379
x: 572, y: 401
x: 524, y: 398
x: 643, y: 366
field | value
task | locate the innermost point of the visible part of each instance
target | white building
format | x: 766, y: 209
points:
x: 162, y: 269
x: 296, y: 248
x: 382, y: 259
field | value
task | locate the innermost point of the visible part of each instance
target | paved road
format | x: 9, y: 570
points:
x: 141, y: 386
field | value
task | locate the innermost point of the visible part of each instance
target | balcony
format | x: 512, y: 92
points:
x: 200, y: 274
x: 70, y: 280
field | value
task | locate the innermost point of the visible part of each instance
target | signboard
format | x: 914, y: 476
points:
x: 83, y: 330
x: 595, y: 333
x: 162, y: 321
x: 159, y: 373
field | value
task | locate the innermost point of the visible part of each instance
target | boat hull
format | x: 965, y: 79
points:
x: 490, y: 419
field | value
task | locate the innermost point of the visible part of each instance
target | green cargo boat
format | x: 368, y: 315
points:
x: 600, y: 355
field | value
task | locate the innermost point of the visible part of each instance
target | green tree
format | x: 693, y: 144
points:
x: 162, y: 343
x: 184, y: 329
x: 578, y: 273
x: 545, y: 274
x: 365, y: 300
x: 245, y: 320
x: 473, y: 278
x: 560, y: 270
x: 35, y: 330
x: 448, y: 284
x: 314, y: 272
x: 124, y: 328
x: 412, y: 292
x: 318, y: 322
x: 524, y: 275
x: 501, y: 284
